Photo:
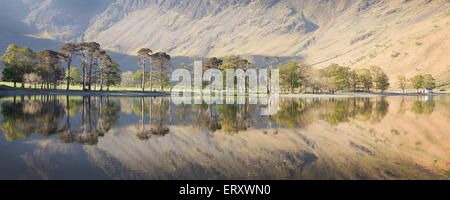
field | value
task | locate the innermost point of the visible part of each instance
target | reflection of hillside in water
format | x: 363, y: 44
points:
x: 375, y: 142
x: 354, y: 138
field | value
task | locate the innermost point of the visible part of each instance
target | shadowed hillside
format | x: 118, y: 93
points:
x: 401, y: 36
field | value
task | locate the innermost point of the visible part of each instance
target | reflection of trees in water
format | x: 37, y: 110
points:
x: 159, y: 117
x: 182, y: 113
x: 303, y: 112
x: 381, y: 109
x: 204, y: 115
x: 230, y: 118
x: 210, y: 119
x: 14, y: 122
x: 402, y: 107
x: 86, y: 135
x: 48, y: 115
x: 227, y: 117
x: 98, y: 116
x: 142, y: 132
x: 109, y: 115
x: 66, y: 135
x: 294, y: 112
x: 335, y: 111
x: 364, y: 109
x: 235, y: 118
x: 420, y: 106
x: 23, y: 118
x: 162, y: 117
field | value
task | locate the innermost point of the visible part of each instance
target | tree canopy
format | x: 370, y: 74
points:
x: 22, y: 65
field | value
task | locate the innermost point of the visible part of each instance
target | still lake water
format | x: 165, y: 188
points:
x: 59, y: 137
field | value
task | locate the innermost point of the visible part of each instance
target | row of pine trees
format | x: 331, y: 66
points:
x: 45, y: 68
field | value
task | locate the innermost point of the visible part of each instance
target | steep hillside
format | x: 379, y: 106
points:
x: 14, y: 31
x: 64, y: 19
x: 401, y: 36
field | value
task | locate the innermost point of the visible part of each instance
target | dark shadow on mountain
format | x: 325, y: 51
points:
x: 128, y: 62
x: 36, y: 44
x: 310, y: 26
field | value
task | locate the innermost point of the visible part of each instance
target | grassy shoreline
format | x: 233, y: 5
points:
x: 10, y: 91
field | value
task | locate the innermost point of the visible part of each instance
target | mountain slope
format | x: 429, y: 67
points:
x: 350, y: 32
x: 401, y: 36
x: 64, y: 19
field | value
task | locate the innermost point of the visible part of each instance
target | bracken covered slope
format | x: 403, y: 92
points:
x: 401, y: 36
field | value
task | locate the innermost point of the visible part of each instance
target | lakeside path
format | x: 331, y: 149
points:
x: 25, y: 92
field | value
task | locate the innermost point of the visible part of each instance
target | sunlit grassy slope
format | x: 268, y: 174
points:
x: 401, y: 37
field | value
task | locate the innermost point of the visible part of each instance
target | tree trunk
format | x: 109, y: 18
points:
x: 90, y: 73
x: 151, y: 79
x: 84, y: 74
x: 269, y: 82
x: 101, y: 80
x: 143, y: 76
x: 161, y: 79
x: 246, y: 84
x: 14, y: 84
x: 69, y: 61
x: 292, y: 85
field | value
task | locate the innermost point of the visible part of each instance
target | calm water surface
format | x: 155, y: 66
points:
x: 59, y: 137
